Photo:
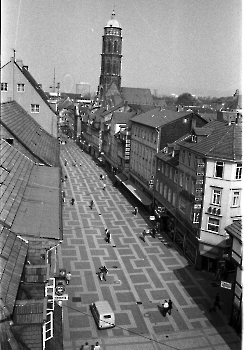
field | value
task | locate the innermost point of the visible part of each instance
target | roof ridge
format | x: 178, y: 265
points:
x: 216, y: 144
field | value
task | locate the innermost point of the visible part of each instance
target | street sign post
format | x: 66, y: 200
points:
x: 226, y: 285
x: 61, y: 297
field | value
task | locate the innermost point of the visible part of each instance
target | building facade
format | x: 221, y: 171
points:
x: 17, y: 84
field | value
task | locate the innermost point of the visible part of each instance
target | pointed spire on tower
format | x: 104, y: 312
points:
x: 113, y: 14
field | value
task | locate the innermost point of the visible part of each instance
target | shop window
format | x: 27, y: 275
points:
x: 238, y: 171
x: 163, y: 166
x: 213, y: 225
x: 179, y: 239
x: 236, y: 198
x: 174, y: 199
x: 182, y: 205
x: 216, y: 196
x: 219, y: 168
x: 190, y: 251
x: 171, y: 173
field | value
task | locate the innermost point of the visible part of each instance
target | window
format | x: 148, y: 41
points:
x: 213, y: 225
x: 219, y: 167
x: 187, y: 182
x: 216, y: 197
x: 159, y: 165
x: 4, y: 86
x: 189, y: 158
x: 181, y: 179
x: 236, y: 198
x: 171, y: 173
x: 174, y: 198
x: 35, y: 108
x: 163, y: 165
x: 161, y: 188
x: 169, y: 194
x: 182, y: 205
x: 183, y: 156
x: 20, y: 87
x: 193, y: 187
x: 195, y: 162
x: 238, y: 171
x: 157, y: 185
x: 166, y: 170
x: 176, y: 176
x: 165, y: 191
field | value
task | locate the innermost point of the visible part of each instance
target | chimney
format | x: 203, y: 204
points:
x: 193, y: 123
x: 19, y: 63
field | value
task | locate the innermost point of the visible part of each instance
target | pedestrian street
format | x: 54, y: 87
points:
x: 141, y: 275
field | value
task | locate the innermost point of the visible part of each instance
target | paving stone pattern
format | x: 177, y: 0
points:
x: 141, y: 274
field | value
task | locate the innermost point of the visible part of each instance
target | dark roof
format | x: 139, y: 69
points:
x: 141, y: 108
x: 174, y: 161
x: 29, y: 312
x: 29, y: 133
x: 35, y: 85
x: 13, y: 251
x: 156, y: 117
x: 235, y: 229
x: 137, y: 96
x: 223, y: 141
x: 70, y: 95
x: 29, y: 197
x: 122, y: 117
x: 209, y: 117
x: 65, y: 104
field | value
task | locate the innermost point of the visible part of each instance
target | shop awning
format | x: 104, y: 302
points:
x: 121, y: 177
x: 137, y: 193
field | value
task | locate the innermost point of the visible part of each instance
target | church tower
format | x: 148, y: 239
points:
x: 111, y: 56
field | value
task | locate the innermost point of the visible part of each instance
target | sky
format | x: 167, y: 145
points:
x: 169, y: 46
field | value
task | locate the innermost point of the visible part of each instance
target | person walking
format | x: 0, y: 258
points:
x: 104, y: 187
x: 165, y: 307
x: 85, y: 347
x: 170, y: 307
x: 91, y: 204
x: 72, y: 201
x: 105, y: 271
x: 100, y: 273
x: 108, y: 234
x: 153, y: 232
x: 97, y: 346
x: 135, y: 211
x: 144, y: 235
x: 217, y: 300
x: 65, y: 162
x: 68, y: 277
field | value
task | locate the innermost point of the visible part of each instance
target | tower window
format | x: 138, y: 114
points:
x: 115, y: 46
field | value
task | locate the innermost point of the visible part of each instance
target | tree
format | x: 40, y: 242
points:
x: 186, y: 99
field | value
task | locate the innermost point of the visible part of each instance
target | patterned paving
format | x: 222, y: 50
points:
x: 141, y: 274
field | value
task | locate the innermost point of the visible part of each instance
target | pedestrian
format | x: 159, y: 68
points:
x: 212, y: 305
x: 170, y: 307
x: 91, y: 204
x: 97, y: 346
x: 100, y: 273
x: 104, y: 187
x: 108, y: 234
x: 144, y: 235
x: 135, y: 211
x: 217, y: 276
x: 165, y: 307
x: 101, y: 176
x: 153, y: 232
x: 68, y: 277
x: 85, y: 347
x: 72, y: 201
x: 106, y: 230
x: 65, y: 178
x: 65, y: 162
x: 105, y: 271
x: 217, y: 300
x: 63, y: 196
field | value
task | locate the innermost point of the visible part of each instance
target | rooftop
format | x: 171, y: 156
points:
x: 137, y: 96
x: 235, y: 229
x: 30, y: 134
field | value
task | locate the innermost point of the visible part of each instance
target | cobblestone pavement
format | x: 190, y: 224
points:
x: 141, y: 274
